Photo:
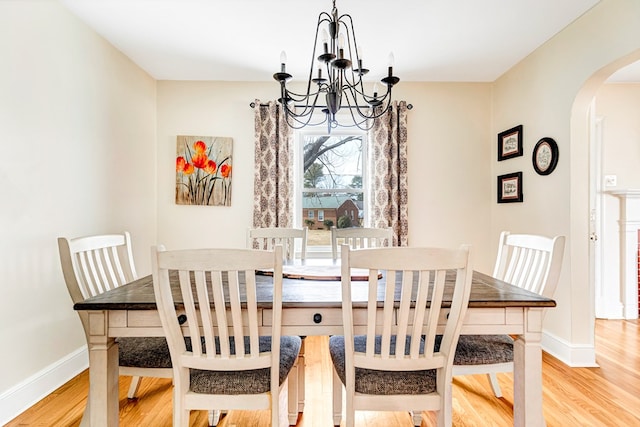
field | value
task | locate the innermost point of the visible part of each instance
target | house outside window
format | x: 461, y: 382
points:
x: 331, y: 178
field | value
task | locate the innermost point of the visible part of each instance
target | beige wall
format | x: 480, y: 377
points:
x: 549, y: 93
x: 618, y: 105
x: 448, y: 143
x: 77, y: 156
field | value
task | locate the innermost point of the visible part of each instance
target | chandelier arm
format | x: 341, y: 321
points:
x: 357, y: 88
x: 300, y: 97
x: 362, y: 110
x: 308, y: 108
x: 365, y: 124
x: 343, y: 18
x: 313, y: 53
x: 307, y: 112
x: 299, y: 124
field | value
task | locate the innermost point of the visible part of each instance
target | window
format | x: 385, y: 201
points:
x: 331, y: 177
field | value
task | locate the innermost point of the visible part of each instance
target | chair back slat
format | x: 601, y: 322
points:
x: 269, y: 238
x: 220, y: 309
x: 404, y: 308
x: 236, y: 312
x: 531, y: 262
x: 205, y: 319
x: 190, y: 310
x: 219, y: 294
x: 419, y: 312
x: 252, y: 312
x: 415, y: 280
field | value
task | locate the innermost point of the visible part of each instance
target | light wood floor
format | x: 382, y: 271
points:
x: 605, y: 396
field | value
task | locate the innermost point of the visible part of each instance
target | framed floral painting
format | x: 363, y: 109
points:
x: 203, y: 170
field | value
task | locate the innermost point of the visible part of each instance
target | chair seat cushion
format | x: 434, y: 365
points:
x: 371, y: 381
x: 144, y: 352
x: 247, y: 382
x: 483, y: 349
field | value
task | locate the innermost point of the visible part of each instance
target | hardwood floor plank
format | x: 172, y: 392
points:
x: 608, y: 395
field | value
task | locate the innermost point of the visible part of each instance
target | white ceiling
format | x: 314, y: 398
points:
x: 241, y: 40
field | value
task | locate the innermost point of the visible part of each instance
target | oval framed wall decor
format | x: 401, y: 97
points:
x: 545, y: 156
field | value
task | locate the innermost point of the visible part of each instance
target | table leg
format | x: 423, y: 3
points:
x: 336, y: 387
x: 296, y: 387
x: 102, y: 403
x: 301, y: 378
x: 527, y: 375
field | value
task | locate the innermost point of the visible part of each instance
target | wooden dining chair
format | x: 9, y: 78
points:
x: 95, y: 264
x: 360, y: 237
x: 531, y: 262
x: 234, y: 362
x: 268, y: 238
x: 387, y: 361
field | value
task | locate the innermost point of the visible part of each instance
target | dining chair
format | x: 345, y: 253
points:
x: 531, y: 262
x: 268, y: 238
x: 234, y: 362
x: 360, y: 237
x: 92, y: 265
x: 386, y: 361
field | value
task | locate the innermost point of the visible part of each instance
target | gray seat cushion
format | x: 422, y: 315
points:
x: 144, y: 352
x: 247, y: 382
x: 482, y: 349
x: 370, y: 381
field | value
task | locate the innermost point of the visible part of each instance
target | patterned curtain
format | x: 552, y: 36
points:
x: 273, y: 177
x: 388, y: 171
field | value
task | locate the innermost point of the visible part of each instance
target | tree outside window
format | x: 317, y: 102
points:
x: 332, y: 183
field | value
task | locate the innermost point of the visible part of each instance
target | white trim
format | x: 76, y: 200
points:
x: 575, y: 356
x: 33, y: 389
x: 598, y: 218
x: 612, y: 310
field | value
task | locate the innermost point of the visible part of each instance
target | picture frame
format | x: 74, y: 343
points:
x: 510, y: 188
x: 545, y: 156
x: 510, y: 143
x: 203, y: 170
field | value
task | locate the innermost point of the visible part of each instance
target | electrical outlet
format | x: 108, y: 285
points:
x: 610, y: 180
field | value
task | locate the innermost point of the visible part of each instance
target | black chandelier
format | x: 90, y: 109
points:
x: 342, y: 87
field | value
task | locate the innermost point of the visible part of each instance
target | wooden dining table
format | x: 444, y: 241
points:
x: 311, y: 305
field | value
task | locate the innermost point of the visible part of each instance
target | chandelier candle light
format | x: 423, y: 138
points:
x: 342, y: 84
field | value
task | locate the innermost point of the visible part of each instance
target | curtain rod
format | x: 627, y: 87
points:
x: 253, y: 105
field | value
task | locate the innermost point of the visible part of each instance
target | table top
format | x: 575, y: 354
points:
x: 486, y: 292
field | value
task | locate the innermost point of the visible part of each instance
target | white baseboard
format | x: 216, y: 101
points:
x: 25, y: 394
x: 576, y: 356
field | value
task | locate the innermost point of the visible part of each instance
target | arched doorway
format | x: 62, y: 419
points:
x: 582, y: 170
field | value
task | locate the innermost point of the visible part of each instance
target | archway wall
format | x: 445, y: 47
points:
x: 549, y: 93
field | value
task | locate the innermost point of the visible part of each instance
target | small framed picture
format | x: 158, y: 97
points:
x: 545, y: 156
x: 510, y: 188
x: 510, y: 143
